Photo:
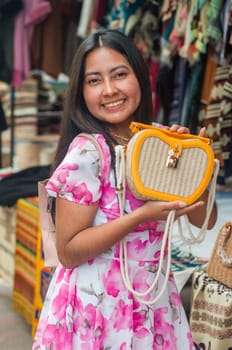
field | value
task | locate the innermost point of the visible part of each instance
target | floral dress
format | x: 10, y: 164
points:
x: 88, y: 307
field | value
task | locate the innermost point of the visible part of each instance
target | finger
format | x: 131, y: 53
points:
x: 180, y: 129
x: 175, y: 205
x: 202, y: 132
x: 189, y: 209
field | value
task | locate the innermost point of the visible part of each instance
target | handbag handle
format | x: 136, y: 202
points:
x: 136, y: 127
x: 120, y: 189
x: 224, y: 236
x: 194, y: 239
x: 120, y: 166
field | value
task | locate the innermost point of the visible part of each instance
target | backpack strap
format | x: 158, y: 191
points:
x: 94, y: 141
x: 45, y: 204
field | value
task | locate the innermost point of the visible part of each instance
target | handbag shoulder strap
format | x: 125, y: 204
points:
x: 200, y: 236
x: 166, y: 242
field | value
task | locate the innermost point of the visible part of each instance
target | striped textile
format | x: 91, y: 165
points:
x: 183, y: 260
x: 31, y: 278
x: 25, y: 257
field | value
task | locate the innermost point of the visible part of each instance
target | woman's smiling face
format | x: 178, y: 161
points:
x: 111, y: 88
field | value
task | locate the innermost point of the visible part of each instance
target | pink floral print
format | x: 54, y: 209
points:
x: 88, y: 307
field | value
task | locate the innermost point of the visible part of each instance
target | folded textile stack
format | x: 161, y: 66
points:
x: 7, y: 243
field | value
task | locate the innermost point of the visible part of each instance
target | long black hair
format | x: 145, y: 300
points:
x: 76, y: 117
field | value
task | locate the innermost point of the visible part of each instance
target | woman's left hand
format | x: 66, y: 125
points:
x: 184, y: 130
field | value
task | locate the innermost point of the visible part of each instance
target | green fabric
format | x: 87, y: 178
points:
x: 214, y: 29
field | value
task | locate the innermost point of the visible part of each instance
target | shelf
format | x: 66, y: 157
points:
x: 39, y: 138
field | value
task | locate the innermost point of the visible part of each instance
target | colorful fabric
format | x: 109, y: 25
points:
x: 182, y: 260
x: 146, y: 31
x: 27, y: 218
x: 123, y: 11
x: 180, y: 24
x: 214, y: 32
x: 88, y: 307
x: 226, y: 129
x: 195, y: 41
x: 226, y: 21
x: 211, y: 119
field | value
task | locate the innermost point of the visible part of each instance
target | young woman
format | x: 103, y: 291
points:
x: 87, y: 305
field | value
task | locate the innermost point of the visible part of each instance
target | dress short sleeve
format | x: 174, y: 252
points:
x: 78, y: 177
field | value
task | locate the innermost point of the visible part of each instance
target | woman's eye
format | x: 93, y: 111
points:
x: 93, y: 81
x: 120, y: 75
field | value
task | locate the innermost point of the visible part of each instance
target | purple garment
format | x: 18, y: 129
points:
x: 33, y: 12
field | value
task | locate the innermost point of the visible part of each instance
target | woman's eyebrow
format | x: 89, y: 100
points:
x: 111, y: 71
x: 118, y: 67
x: 91, y: 73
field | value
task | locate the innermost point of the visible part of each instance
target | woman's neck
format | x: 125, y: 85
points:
x: 121, y: 139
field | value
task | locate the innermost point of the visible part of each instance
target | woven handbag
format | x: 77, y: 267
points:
x: 48, y: 229
x: 159, y: 164
x: 219, y: 266
x: 167, y: 165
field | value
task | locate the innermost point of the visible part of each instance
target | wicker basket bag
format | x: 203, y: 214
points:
x: 219, y: 266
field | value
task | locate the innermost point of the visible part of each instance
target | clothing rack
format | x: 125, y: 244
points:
x: 12, y: 126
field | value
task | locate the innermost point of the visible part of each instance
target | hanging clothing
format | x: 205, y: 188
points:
x: 181, y: 80
x: 22, y: 184
x: 122, y: 12
x: 226, y: 130
x: 47, y: 49
x: 8, y: 10
x: 194, y: 94
x: 3, y: 123
x: 165, y: 90
x: 33, y: 12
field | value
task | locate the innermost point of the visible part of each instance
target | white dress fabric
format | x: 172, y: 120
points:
x: 88, y: 307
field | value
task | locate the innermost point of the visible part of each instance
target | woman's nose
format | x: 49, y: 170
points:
x: 109, y: 87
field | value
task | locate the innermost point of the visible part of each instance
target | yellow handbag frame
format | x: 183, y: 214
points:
x: 166, y: 165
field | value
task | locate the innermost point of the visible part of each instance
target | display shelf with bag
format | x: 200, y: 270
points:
x: 211, y: 311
